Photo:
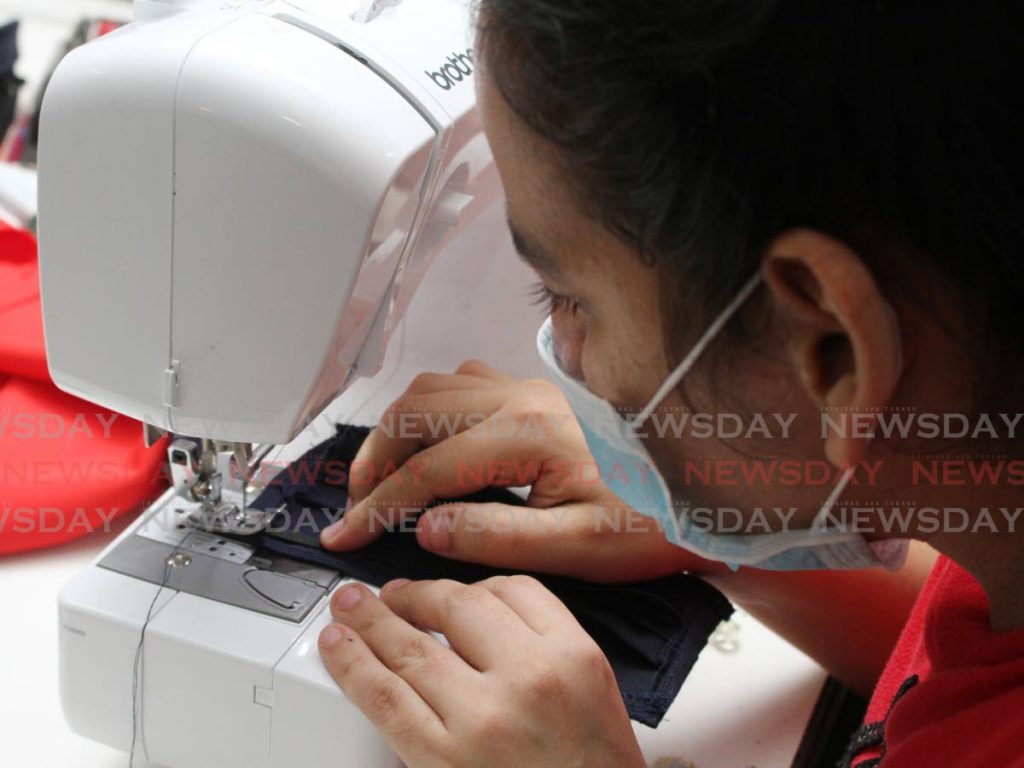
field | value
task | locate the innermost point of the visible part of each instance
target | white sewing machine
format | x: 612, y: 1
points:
x: 237, y: 200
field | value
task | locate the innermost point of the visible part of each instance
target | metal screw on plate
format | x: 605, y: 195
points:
x: 178, y: 560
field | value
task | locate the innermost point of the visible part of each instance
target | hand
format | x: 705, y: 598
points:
x: 496, y: 431
x: 522, y: 685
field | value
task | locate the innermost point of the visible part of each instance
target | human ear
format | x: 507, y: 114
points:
x: 844, y: 337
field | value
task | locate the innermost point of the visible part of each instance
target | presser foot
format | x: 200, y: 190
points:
x: 199, y: 467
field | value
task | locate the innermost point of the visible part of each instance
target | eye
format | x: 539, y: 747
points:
x: 554, y: 302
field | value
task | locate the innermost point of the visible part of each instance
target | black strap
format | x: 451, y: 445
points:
x: 872, y: 735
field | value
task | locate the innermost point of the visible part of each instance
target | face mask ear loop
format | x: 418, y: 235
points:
x: 821, y: 519
x: 698, y: 349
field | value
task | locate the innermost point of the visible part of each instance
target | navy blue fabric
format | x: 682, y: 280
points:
x: 651, y: 632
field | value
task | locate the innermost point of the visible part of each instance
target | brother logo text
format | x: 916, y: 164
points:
x: 457, y: 68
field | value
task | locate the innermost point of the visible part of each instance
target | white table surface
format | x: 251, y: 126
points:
x: 736, y: 710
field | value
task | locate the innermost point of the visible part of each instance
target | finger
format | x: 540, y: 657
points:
x: 409, y: 724
x: 533, y: 603
x: 414, y: 422
x: 434, y: 671
x: 468, y: 462
x: 399, y: 499
x: 481, y: 628
x: 583, y: 540
x: 499, y: 535
x: 429, y: 383
x: 483, y: 370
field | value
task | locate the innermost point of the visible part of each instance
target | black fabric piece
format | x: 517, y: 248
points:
x: 651, y: 632
x: 838, y: 713
x: 8, y: 47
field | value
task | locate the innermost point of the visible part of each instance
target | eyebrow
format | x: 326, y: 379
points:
x: 530, y: 252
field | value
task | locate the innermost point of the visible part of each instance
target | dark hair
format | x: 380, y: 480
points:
x: 699, y: 130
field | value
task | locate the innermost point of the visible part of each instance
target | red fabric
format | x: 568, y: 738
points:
x: 67, y: 467
x: 967, y: 707
x: 22, y: 352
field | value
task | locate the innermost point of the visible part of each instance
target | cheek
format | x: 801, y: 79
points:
x: 610, y: 365
x: 623, y: 362
x: 615, y: 360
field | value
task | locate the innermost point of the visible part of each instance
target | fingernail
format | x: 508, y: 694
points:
x: 333, y: 532
x: 348, y: 598
x: 331, y: 635
x: 437, y: 537
x: 396, y: 584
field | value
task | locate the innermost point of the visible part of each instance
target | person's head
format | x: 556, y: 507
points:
x: 864, y: 157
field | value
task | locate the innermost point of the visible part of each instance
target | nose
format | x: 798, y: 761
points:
x: 569, y: 332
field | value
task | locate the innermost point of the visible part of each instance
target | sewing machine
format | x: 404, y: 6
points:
x: 237, y: 202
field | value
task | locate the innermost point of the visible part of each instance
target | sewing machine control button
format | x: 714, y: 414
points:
x: 451, y: 207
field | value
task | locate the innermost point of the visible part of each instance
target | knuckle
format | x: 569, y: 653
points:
x: 503, y: 585
x: 537, y: 404
x: 531, y: 407
x: 493, y: 583
x: 412, y: 652
x: 470, y: 366
x: 462, y: 594
x: 523, y: 581
x: 542, y: 682
x: 401, y: 406
x: 421, y: 382
x: 541, y: 388
x: 496, y: 585
x: 383, y: 699
x: 342, y: 665
x: 409, y: 473
x: 406, y: 727
x: 467, y: 593
x: 589, y: 660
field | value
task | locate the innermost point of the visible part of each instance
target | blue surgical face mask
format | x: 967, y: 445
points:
x: 629, y: 471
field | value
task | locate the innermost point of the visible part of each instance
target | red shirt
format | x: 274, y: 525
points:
x: 952, y: 694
